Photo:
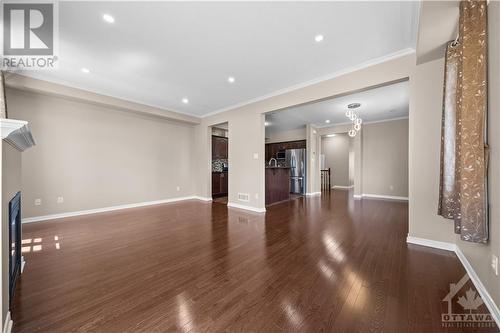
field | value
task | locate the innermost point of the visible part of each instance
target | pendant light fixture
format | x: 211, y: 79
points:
x: 353, y: 116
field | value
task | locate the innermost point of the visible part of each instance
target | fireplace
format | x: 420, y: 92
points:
x: 15, y: 242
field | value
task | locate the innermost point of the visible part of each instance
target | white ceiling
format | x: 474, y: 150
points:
x: 382, y: 103
x: 158, y: 53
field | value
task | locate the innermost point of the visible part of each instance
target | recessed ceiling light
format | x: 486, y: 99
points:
x: 108, y: 18
x: 319, y: 38
x: 330, y: 135
x: 85, y: 70
x: 230, y: 79
x: 185, y: 100
x: 327, y: 121
x: 353, y: 105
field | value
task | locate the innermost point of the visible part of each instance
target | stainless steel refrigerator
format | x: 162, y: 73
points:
x: 296, y: 160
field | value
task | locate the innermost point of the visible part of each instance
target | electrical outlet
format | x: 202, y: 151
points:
x: 60, y: 200
x: 255, y: 156
x: 178, y: 188
x: 494, y: 264
x: 38, y: 202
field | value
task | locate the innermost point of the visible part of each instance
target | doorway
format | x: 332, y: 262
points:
x: 220, y: 163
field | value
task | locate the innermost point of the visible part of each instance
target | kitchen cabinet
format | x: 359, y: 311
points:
x: 277, y: 185
x: 219, y: 184
x: 219, y: 147
x: 273, y: 148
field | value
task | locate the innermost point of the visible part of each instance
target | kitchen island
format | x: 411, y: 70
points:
x: 277, y: 184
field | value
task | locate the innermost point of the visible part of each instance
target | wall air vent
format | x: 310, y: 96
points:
x: 244, y: 197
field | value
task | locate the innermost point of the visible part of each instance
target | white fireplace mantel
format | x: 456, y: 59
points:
x: 17, y: 133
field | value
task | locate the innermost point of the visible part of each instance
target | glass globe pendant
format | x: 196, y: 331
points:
x: 352, y: 133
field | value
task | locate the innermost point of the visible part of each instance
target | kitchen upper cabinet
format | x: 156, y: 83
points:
x: 273, y: 148
x: 219, y: 147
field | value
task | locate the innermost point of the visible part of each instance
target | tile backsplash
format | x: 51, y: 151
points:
x: 218, y: 165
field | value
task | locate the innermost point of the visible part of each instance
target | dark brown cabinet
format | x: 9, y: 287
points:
x: 277, y: 185
x: 219, y: 184
x: 273, y: 148
x: 219, y: 147
x: 219, y: 177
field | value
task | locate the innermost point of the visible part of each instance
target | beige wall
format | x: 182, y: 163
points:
x: 247, y: 122
x: 480, y: 255
x: 385, y: 158
x: 426, y: 91
x: 336, y: 152
x: 283, y: 136
x: 97, y: 157
x: 426, y: 85
x: 11, y: 184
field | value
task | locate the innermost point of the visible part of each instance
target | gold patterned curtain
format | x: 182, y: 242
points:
x: 463, y: 192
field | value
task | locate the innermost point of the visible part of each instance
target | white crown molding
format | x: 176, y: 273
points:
x: 71, y: 92
x: 57, y: 88
x: 245, y: 207
x: 366, y: 64
x: 385, y: 120
x: 364, y: 122
x: 107, y: 209
x: 7, y: 327
x: 17, y: 133
x: 485, y: 295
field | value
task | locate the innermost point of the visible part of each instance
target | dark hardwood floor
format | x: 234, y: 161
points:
x: 324, y: 264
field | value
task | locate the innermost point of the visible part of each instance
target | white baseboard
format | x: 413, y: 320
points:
x: 385, y: 197
x: 485, y: 295
x: 202, y: 198
x: 7, y: 327
x: 431, y: 243
x: 108, y: 209
x: 341, y: 187
x: 312, y: 194
x: 245, y: 207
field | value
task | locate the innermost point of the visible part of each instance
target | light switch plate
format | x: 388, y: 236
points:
x: 255, y: 156
x: 60, y: 200
x: 38, y: 202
